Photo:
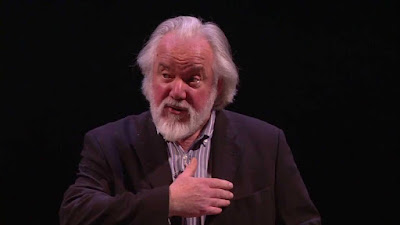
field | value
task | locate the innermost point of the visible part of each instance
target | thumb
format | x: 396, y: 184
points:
x: 190, y: 169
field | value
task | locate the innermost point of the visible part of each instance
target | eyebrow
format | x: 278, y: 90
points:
x: 196, y: 67
x: 162, y: 66
x: 199, y: 68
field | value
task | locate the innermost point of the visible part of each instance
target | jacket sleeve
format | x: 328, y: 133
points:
x: 294, y: 205
x: 92, y: 200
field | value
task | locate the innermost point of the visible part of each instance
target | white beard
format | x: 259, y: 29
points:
x: 176, y: 127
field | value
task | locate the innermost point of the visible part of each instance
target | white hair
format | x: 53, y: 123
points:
x: 224, y: 68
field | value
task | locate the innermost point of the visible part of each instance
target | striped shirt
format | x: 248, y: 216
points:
x: 200, y: 149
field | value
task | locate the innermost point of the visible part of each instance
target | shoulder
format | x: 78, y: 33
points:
x: 251, y: 132
x: 122, y: 128
x: 243, y: 122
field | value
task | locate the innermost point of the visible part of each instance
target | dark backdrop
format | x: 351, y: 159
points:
x: 323, y: 72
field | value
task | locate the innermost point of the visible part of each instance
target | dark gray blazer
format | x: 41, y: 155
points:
x: 124, y: 175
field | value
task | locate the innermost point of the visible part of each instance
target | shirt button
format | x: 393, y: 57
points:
x: 185, y: 160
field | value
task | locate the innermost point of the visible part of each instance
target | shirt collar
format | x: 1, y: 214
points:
x: 208, y: 129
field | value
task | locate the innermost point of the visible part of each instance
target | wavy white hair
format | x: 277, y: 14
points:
x: 223, y: 67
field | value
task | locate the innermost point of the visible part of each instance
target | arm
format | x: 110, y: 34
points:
x: 294, y: 205
x: 91, y: 200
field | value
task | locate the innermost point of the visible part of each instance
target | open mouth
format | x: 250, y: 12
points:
x: 176, y: 109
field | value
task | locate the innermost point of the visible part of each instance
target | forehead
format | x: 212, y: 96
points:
x: 172, y: 46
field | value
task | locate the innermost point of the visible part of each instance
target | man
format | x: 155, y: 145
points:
x: 187, y: 161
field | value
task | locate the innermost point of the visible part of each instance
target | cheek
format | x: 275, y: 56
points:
x: 160, y: 93
x: 200, y: 100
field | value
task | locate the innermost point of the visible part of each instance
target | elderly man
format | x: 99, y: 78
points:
x: 187, y: 161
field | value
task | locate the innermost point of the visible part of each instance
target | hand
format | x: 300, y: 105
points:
x: 194, y: 197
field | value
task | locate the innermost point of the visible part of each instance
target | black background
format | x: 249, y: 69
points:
x: 323, y: 72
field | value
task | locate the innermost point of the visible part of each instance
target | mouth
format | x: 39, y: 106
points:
x: 176, y: 109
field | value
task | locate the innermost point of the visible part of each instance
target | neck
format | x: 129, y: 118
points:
x: 187, y: 142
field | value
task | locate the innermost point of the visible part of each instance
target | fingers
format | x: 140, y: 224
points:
x: 218, y: 183
x: 221, y: 194
x: 216, y: 206
x: 212, y: 211
x: 220, y: 203
x: 190, y: 169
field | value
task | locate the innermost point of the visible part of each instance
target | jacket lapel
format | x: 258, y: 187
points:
x: 224, y: 149
x: 152, y: 152
x: 224, y: 153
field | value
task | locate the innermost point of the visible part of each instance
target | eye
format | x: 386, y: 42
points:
x: 195, y: 81
x: 166, y: 76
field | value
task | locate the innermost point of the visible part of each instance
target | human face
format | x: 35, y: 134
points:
x: 183, y: 89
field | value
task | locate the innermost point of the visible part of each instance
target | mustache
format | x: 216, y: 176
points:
x: 183, y: 105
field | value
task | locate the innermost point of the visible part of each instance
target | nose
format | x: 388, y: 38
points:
x: 178, y: 91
